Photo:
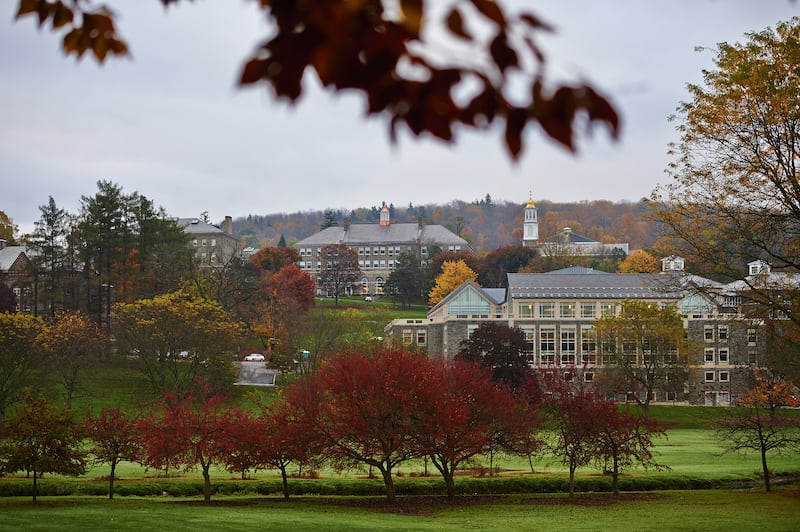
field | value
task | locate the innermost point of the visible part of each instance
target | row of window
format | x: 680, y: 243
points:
x: 722, y: 334
x: 716, y: 376
x: 362, y: 264
x: 420, y: 336
x: 551, y: 310
x: 204, y: 242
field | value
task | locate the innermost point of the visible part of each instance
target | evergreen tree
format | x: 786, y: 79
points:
x: 406, y: 280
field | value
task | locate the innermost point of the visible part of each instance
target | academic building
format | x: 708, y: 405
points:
x: 378, y: 246
x: 556, y: 312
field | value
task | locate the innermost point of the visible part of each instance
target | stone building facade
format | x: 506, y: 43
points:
x: 556, y: 312
x: 378, y: 247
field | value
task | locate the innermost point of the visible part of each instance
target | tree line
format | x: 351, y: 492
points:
x: 485, y: 225
x: 366, y: 409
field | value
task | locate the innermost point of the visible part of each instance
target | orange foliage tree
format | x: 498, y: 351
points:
x: 639, y: 262
x: 761, y: 423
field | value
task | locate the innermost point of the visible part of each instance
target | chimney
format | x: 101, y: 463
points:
x: 227, y: 225
x: 346, y: 224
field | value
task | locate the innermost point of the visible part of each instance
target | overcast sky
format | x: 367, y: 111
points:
x: 171, y: 124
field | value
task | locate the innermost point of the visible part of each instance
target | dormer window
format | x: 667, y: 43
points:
x: 757, y: 267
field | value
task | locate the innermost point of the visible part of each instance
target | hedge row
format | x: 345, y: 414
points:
x: 373, y: 487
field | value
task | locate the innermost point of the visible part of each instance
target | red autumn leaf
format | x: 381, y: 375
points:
x: 491, y: 10
x: 503, y: 55
x: 27, y: 6
x: 253, y: 71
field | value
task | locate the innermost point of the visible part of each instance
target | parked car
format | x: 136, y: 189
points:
x: 255, y: 357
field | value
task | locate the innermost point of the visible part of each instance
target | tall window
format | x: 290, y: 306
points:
x: 588, y: 346
x: 568, y: 346
x: 547, y: 345
x: 530, y: 343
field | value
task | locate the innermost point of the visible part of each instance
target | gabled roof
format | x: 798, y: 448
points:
x: 198, y: 226
x: 495, y: 296
x: 401, y: 233
x: 572, y: 270
x: 9, y: 255
x: 555, y: 285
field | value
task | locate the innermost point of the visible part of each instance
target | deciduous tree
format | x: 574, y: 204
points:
x: 363, y: 405
x: 624, y: 439
x: 72, y: 342
x: 8, y: 229
x: 574, y: 416
x: 288, y: 439
x: 759, y: 423
x: 499, y: 348
x: 643, y: 349
x: 39, y: 438
x: 499, y: 262
x: 160, y: 329
x: 114, y: 439
x: 272, y: 259
x: 460, y: 415
x: 195, y: 424
x: 20, y: 350
x: 382, y: 51
x: 452, y: 276
x: 735, y: 195
x: 639, y: 262
x: 339, y: 269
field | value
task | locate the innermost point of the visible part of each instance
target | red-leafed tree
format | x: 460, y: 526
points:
x: 114, y: 439
x: 363, y: 407
x: 461, y: 413
x: 496, y: 264
x: 246, y: 435
x: 193, y: 428
x: 500, y: 348
x: 574, y: 416
x: 293, y: 289
x: 288, y: 439
x: 39, y: 438
x: 624, y: 439
x: 380, y: 50
x: 272, y: 259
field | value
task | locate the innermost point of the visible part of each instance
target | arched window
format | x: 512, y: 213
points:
x: 379, y: 285
x: 364, y: 286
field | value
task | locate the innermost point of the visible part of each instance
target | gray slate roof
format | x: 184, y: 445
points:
x: 555, y: 285
x: 399, y: 233
x: 197, y: 226
x: 9, y: 255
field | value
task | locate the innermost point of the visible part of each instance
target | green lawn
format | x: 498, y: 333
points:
x: 670, y: 510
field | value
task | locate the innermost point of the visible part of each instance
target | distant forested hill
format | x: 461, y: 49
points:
x: 484, y: 223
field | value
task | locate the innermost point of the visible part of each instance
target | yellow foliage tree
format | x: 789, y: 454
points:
x: 20, y: 341
x: 73, y: 342
x: 639, y: 262
x: 179, y: 339
x: 453, y: 274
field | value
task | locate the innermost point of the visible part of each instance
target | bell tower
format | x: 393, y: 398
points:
x: 530, y: 227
